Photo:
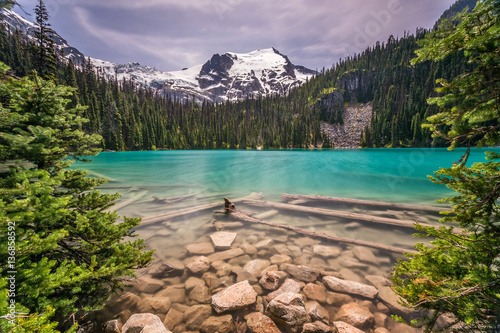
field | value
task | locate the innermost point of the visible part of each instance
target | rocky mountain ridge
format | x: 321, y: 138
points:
x: 230, y: 76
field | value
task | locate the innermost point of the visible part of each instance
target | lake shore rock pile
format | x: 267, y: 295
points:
x: 236, y: 282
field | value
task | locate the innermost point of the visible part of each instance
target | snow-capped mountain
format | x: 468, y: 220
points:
x: 230, y: 76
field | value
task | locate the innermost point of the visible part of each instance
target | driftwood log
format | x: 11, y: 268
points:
x: 163, y: 217
x: 300, y: 199
x: 239, y: 215
x: 172, y: 199
x: 334, y: 213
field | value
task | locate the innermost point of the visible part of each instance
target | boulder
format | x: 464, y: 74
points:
x: 255, y: 267
x: 144, y: 323
x: 257, y: 322
x: 288, y: 309
x: 303, y: 273
x: 282, y: 249
x: 225, y: 255
x: 200, y: 294
x: 154, y: 305
x: 289, y: 285
x: 148, y: 285
x: 315, y: 291
x: 199, y: 265
x: 222, y: 324
x: 270, y: 281
x: 176, y: 293
x: 317, y: 327
x: 326, y: 251
x: 196, y: 315
x: 355, y: 315
x: 235, y: 297
x: 223, y: 240
x: 345, y: 327
x: 113, y: 326
x: 350, y: 287
x: 364, y: 254
x: 317, y: 312
x: 200, y: 248
x: 380, y: 319
x: 167, y: 268
x: 173, y: 318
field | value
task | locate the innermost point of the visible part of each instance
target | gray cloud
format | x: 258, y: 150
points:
x: 172, y: 34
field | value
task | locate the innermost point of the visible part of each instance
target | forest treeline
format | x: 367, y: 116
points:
x: 131, y: 117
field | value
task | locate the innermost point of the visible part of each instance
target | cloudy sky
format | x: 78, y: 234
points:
x: 172, y: 34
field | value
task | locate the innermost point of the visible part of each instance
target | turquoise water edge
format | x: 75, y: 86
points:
x: 396, y: 175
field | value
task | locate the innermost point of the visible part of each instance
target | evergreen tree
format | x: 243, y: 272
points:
x: 45, y: 53
x: 459, y: 275
x: 70, y: 255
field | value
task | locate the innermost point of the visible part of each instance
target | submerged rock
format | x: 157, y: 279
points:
x: 154, y: 305
x: 317, y: 312
x: 355, y: 315
x: 148, y: 285
x: 173, y: 318
x: 196, y: 315
x: 200, y: 248
x: 364, y: 254
x: 303, y: 273
x: 144, y: 323
x: 289, y: 286
x: 257, y: 322
x: 288, y: 309
x: 199, y: 265
x: 346, y: 328
x: 270, y: 280
x: 222, y: 324
x: 255, y: 267
x: 234, y: 297
x: 167, y: 268
x: 350, y: 287
x: 317, y: 327
x: 315, y: 291
x: 326, y: 251
x: 228, y: 254
x: 113, y: 326
x: 223, y: 240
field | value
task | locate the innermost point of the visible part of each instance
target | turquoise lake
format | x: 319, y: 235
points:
x: 179, y: 196
x: 189, y: 178
x: 396, y: 175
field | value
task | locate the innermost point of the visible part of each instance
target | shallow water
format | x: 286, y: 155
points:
x: 192, y: 178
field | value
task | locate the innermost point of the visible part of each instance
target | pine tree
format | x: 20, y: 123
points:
x: 44, y: 50
x: 458, y: 276
x: 71, y: 255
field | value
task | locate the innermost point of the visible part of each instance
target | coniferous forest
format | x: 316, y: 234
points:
x: 131, y: 117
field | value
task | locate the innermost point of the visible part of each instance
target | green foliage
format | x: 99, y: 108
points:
x: 71, y: 254
x: 458, y: 276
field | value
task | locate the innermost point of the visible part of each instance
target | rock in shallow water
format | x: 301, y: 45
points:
x: 222, y: 324
x: 317, y: 327
x: 144, y: 323
x: 200, y: 248
x: 350, y: 287
x: 289, y: 285
x: 288, y: 309
x: 303, y: 273
x: 196, y: 315
x: 355, y: 315
x: 345, y: 327
x: 259, y: 323
x: 199, y: 265
x: 234, y: 297
x: 223, y: 240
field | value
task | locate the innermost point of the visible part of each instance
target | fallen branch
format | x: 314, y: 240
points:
x: 243, y: 217
x: 177, y: 213
x: 301, y: 199
x: 335, y: 213
x: 172, y: 199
